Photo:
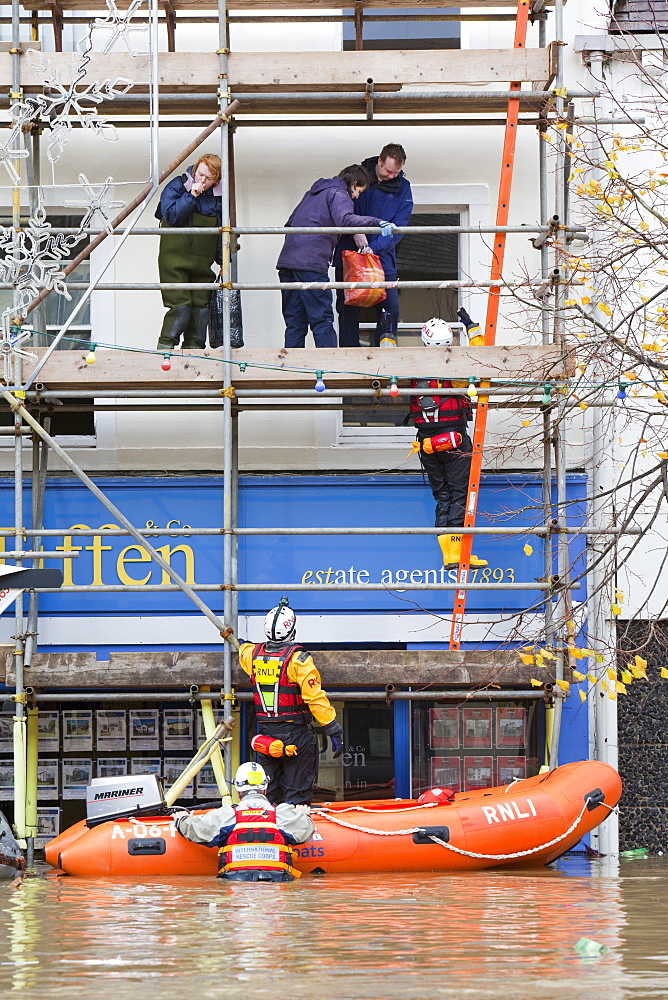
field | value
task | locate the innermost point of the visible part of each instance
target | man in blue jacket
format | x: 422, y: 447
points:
x: 387, y: 197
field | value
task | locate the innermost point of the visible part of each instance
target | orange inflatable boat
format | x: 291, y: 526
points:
x: 529, y: 823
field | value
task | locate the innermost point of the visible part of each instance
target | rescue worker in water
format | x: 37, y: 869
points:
x: 254, y: 837
x: 288, y: 696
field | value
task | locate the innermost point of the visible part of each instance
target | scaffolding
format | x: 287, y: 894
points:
x: 242, y: 90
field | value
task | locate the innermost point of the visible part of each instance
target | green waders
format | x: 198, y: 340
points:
x: 187, y: 258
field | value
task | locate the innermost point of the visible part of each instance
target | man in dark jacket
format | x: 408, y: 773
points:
x: 192, y: 199
x: 307, y: 256
x: 389, y: 197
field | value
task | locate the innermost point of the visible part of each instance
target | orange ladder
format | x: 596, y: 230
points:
x: 503, y: 204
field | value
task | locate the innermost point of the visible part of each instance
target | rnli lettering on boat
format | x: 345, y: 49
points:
x: 504, y: 811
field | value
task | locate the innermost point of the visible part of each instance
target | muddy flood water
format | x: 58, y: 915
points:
x: 484, y: 934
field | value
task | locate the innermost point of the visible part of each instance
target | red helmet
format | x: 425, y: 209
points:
x: 444, y: 796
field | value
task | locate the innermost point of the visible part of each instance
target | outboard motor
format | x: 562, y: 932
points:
x: 131, y: 795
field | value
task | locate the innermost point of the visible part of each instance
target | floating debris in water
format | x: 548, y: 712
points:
x: 587, y: 946
x: 637, y: 852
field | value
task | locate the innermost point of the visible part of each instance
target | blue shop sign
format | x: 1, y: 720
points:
x: 296, y: 501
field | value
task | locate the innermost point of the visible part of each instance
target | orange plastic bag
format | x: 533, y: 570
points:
x: 362, y: 267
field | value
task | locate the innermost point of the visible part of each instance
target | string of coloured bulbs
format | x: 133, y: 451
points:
x: 319, y: 384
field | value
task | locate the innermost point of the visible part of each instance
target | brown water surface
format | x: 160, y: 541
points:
x: 409, y: 937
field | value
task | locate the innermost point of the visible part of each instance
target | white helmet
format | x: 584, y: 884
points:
x: 281, y: 622
x: 436, y: 333
x: 250, y: 777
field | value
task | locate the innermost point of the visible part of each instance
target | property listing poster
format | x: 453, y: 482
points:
x: 477, y: 724
x: 47, y: 778
x: 173, y: 768
x: 510, y: 727
x: 77, y: 731
x: 177, y: 728
x: 446, y: 772
x: 6, y: 779
x: 205, y: 784
x: 443, y: 728
x: 112, y: 767
x: 508, y: 769
x: 144, y: 729
x: 48, y: 732
x: 477, y: 773
x: 146, y: 765
x: 111, y: 730
x: 48, y: 824
x: 77, y: 773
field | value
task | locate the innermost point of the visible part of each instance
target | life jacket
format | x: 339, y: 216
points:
x: 275, y: 696
x: 256, y: 843
x: 450, y: 412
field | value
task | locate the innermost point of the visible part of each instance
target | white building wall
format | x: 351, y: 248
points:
x: 449, y: 167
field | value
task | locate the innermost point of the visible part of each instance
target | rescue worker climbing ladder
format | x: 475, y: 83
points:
x: 503, y: 204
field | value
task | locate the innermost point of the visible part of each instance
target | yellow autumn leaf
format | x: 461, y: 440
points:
x: 640, y: 663
x: 571, y: 302
x: 620, y: 688
x: 527, y: 549
x: 564, y: 685
x: 583, y: 406
x: 583, y: 696
x: 535, y: 683
x: 612, y: 696
x: 627, y: 677
x: 616, y: 610
x: 640, y: 674
x: 611, y: 673
x: 592, y: 678
x: 643, y: 227
x: 663, y: 455
x: 539, y: 660
x: 526, y: 423
x: 526, y: 659
x: 605, y: 308
x: 586, y: 300
x: 664, y: 673
x: 604, y: 686
x: 619, y: 596
x: 547, y: 654
x: 578, y: 676
x: 599, y: 657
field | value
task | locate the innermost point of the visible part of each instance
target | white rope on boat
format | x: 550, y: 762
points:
x: 400, y: 809
x: 460, y: 850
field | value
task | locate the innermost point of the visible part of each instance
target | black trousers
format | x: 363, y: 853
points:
x: 448, y: 475
x: 291, y: 779
x: 253, y: 875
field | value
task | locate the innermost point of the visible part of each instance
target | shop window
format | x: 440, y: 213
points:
x: 428, y: 257
x: 395, y: 32
x: 476, y: 745
x: 365, y: 770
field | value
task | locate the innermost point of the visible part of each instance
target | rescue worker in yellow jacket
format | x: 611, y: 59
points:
x: 288, y: 697
x: 254, y: 837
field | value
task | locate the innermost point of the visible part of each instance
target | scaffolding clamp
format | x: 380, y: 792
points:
x: 194, y: 688
x: 223, y: 117
x: 229, y: 391
x: 20, y: 699
x: 222, y: 52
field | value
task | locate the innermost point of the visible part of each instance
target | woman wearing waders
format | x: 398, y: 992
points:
x: 193, y: 199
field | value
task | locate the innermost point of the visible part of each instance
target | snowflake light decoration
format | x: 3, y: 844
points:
x: 31, y: 260
x: 12, y: 150
x: 71, y: 102
x: 119, y: 22
x: 96, y: 204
